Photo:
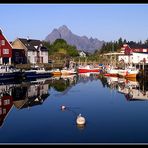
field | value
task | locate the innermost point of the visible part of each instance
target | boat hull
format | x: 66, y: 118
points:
x: 6, y: 76
x: 131, y: 76
x: 111, y: 75
x: 87, y: 70
x: 56, y: 73
x: 30, y: 75
x: 10, y: 76
x: 68, y: 72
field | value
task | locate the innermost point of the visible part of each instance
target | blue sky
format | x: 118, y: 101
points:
x: 106, y: 22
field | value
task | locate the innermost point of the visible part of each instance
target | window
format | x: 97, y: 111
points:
x: 4, y: 110
x: 3, y: 42
x: 6, y: 102
x: 5, y: 51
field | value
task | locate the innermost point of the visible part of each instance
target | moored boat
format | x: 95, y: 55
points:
x: 56, y: 72
x: 37, y: 72
x: 8, y: 72
x: 130, y: 72
x: 112, y: 72
x: 88, y: 68
x: 68, y: 71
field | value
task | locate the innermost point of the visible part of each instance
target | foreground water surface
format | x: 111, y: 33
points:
x: 116, y: 110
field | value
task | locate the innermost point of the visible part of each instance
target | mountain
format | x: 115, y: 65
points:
x: 81, y: 42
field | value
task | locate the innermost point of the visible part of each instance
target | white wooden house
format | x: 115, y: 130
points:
x: 133, y: 55
x: 82, y: 54
x: 34, y: 50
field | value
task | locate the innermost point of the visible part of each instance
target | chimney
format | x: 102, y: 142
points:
x: 0, y: 31
x: 28, y: 38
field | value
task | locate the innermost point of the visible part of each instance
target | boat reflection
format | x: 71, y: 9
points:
x: 30, y: 93
x: 133, y: 90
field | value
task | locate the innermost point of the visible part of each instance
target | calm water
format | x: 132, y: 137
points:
x: 116, y: 110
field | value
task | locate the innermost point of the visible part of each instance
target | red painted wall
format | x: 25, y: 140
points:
x: 7, y: 107
x: 127, y: 50
x: 6, y: 46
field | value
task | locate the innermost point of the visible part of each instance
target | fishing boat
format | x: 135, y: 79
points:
x: 130, y: 72
x: 56, y: 72
x: 37, y: 72
x: 66, y: 71
x: 8, y: 72
x: 113, y: 72
x: 88, y: 68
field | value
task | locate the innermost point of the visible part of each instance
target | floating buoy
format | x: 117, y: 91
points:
x: 63, y: 107
x: 80, y: 120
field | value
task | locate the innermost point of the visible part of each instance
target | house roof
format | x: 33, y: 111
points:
x: 133, y: 45
x: 32, y: 44
x: 5, y: 37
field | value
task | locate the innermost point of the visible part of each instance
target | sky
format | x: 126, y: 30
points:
x: 106, y: 22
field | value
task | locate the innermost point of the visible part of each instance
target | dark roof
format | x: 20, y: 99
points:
x: 43, y: 49
x: 32, y: 44
x: 133, y: 45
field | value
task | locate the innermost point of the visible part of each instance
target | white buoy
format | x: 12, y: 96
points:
x: 80, y: 120
x: 63, y: 107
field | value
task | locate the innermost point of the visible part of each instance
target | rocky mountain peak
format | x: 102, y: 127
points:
x: 81, y: 42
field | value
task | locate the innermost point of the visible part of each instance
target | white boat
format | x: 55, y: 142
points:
x: 88, y: 68
x: 112, y: 72
x: 66, y: 71
x: 56, y: 72
x: 37, y: 72
x: 130, y: 72
x: 8, y: 72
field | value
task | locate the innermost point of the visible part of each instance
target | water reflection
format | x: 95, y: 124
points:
x: 30, y: 94
x: 86, y: 77
x: 33, y: 93
x: 132, y: 89
x: 62, y: 83
x: 6, y: 101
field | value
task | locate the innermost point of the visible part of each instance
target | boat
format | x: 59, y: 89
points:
x: 130, y: 72
x: 37, y: 72
x: 8, y: 72
x: 56, y: 72
x: 113, y: 72
x: 66, y: 71
x: 88, y: 68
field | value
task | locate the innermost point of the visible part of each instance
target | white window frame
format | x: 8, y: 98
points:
x: 5, y: 51
x: 6, y: 102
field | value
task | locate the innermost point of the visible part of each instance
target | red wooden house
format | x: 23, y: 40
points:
x: 5, y: 50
